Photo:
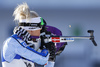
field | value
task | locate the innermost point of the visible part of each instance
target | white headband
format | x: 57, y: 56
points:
x: 32, y: 20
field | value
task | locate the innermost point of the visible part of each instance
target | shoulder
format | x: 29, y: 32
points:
x: 52, y: 27
x: 54, y: 30
x: 10, y: 42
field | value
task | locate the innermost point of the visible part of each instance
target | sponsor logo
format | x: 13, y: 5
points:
x: 55, y: 39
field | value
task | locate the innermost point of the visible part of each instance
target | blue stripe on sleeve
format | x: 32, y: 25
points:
x: 43, y: 53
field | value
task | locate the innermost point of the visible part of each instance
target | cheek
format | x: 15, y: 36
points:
x: 31, y: 33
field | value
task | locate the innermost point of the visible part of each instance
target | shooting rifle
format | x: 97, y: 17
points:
x: 59, y: 39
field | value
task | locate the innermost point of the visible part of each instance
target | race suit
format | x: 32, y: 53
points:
x: 16, y: 53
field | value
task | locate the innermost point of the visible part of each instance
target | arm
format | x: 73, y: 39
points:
x: 16, y: 48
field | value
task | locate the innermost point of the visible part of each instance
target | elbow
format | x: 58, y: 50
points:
x: 42, y: 60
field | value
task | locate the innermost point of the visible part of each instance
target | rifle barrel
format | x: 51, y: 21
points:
x: 76, y: 37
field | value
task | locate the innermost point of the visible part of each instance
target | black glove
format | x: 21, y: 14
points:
x: 52, y: 49
x: 44, y: 35
x: 61, y: 49
x: 49, y: 45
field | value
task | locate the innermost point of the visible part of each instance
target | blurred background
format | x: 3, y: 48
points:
x: 72, y: 17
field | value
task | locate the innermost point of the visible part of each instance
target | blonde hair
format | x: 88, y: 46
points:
x: 22, y: 11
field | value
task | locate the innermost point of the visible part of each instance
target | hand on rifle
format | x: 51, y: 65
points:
x: 48, y: 45
x: 52, y: 49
